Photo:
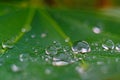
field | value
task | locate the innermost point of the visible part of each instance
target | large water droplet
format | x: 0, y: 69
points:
x: 96, y: 30
x: 117, y: 47
x: 108, y: 45
x: 81, y: 47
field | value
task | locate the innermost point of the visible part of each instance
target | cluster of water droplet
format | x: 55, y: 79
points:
x: 62, y: 55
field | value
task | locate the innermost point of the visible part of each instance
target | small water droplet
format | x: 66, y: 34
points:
x: 47, y: 71
x: 7, y: 44
x: 80, y: 70
x: 117, y: 47
x: 81, y: 47
x: 51, y: 50
x: 26, y: 28
x: 96, y: 30
x: 43, y: 35
x: 108, y: 45
x: 24, y: 57
x: 59, y: 63
x: 67, y: 39
x: 33, y: 36
x: 99, y: 63
x: 15, y: 68
x: 23, y: 30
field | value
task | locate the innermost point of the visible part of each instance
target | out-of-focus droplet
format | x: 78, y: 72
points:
x: 108, y: 45
x: 43, y: 35
x: 96, y: 30
x: 59, y: 63
x: 81, y: 47
x: 33, y: 36
x: 15, y: 68
x: 67, y: 39
x: 47, y: 71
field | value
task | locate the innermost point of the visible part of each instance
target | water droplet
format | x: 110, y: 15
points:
x: 108, y: 45
x: 24, y: 57
x: 43, y: 35
x: 81, y: 47
x: 23, y: 30
x: 33, y: 36
x: 47, y: 71
x: 99, y: 63
x: 51, y: 50
x: 96, y: 30
x: 80, y: 70
x: 7, y: 44
x: 26, y: 28
x: 59, y: 63
x: 117, y: 47
x: 67, y: 39
x: 15, y: 68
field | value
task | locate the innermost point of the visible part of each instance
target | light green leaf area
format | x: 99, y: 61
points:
x: 33, y: 29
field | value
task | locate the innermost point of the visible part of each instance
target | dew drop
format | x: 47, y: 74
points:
x: 117, y: 47
x: 33, y: 36
x: 43, y: 35
x: 51, y: 50
x: 24, y: 57
x: 67, y: 39
x: 23, y: 30
x: 80, y: 70
x: 15, y: 68
x: 47, y: 71
x: 59, y: 63
x: 81, y: 47
x: 96, y: 30
x: 108, y: 45
x: 26, y: 28
x: 7, y: 44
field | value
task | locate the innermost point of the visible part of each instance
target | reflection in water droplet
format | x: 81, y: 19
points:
x: 96, y: 30
x: 108, y: 45
x: 81, y: 47
x: 117, y: 47
x: 80, y: 70
x: 15, y: 68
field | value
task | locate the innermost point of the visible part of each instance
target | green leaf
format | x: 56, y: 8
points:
x: 31, y: 29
